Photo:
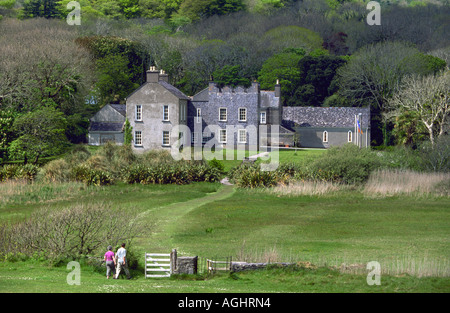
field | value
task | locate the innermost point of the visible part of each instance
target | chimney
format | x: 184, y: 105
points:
x: 277, y: 89
x: 255, y: 86
x: 163, y: 76
x: 152, y: 75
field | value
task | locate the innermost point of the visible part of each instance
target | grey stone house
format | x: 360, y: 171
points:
x: 153, y: 110
x: 107, y: 125
x: 161, y: 115
x: 233, y: 116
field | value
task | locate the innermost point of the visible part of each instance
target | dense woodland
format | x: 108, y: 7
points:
x: 55, y: 76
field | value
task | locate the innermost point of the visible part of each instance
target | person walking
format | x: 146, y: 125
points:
x: 110, y: 262
x: 122, y: 262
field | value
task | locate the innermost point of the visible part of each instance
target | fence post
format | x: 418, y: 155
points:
x: 173, y: 261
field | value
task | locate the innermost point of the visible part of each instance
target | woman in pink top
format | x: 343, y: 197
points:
x: 110, y: 262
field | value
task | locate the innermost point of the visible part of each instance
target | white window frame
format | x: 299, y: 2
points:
x: 222, y: 132
x: 261, y: 119
x: 240, y: 132
x: 138, y: 138
x: 239, y: 115
x: 164, y: 113
x: 199, y: 115
x: 325, y: 136
x: 205, y: 137
x: 138, y: 112
x: 220, y: 115
x: 164, y: 133
x: 194, y: 137
x: 350, y: 136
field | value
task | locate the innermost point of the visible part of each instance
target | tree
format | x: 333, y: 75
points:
x: 6, y: 134
x: 196, y: 9
x: 316, y: 79
x: 127, y: 133
x: 373, y: 74
x: 114, y: 81
x: 284, y: 68
x: 39, y: 133
x: 429, y: 97
x: 229, y: 75
x: 40, y: 8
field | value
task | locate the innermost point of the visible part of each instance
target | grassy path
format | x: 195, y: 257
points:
x: 163, y: 220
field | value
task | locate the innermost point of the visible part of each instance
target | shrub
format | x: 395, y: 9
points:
x: 12, y: 171
x: 251, y: 176
x: 74, y: 232
x: 8, y: 172
x: 173, y: 173
x: 217, y: 164
x: 84, y: 173
x: 347, y: 164
x: 55, y: 171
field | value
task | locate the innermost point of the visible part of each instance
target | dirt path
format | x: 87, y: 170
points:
x: 163, y: 220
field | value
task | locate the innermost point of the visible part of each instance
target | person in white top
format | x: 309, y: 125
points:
x: 122, y: 262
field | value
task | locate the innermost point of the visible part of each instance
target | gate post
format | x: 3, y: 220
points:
x: 173, y: 261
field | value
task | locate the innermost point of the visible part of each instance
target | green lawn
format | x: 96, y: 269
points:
x: 402, y: 233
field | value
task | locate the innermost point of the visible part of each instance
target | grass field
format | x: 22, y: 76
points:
x: 408, y: 235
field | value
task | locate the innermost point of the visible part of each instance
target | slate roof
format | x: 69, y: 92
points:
x: 268, y: 99
x: 121, y: 108
x: 339, y: 117
x: 175, y: 91
x: 106, y: 127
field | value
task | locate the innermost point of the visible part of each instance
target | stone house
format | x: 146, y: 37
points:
x: 161, y: 116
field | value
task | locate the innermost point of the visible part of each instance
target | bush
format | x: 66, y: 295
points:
x: 84, y: 173
x: 12, y: 171
x: 78, y: 231
x: 347, y: 164
x: 251, y: 176
x: 55, y: 171
x: 171, y: 173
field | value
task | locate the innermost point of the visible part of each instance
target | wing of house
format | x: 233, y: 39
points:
x: 107, y: 125
x: 319, y: 127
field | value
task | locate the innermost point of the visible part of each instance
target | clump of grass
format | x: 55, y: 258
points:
x: 391, y: 182
x: 22, y: 191
x: 309, y: 188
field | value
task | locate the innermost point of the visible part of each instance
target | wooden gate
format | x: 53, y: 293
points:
x: 158, y: 265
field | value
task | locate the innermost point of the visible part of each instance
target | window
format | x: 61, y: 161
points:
x: 350, y: 136
x: 183, y: 112
x: 194, y: 138
x: 262, y: 117
x: 205, y: 137
x: 242, y: 114
x: 223, y: 136
x: 242, y: 136
x: 223, y: 114
x: 325, y: 136
x: 166, y: 138
x: 138, y: 112
x: 138, y: 138
x: 199, y: 115
x: 166, y: 113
